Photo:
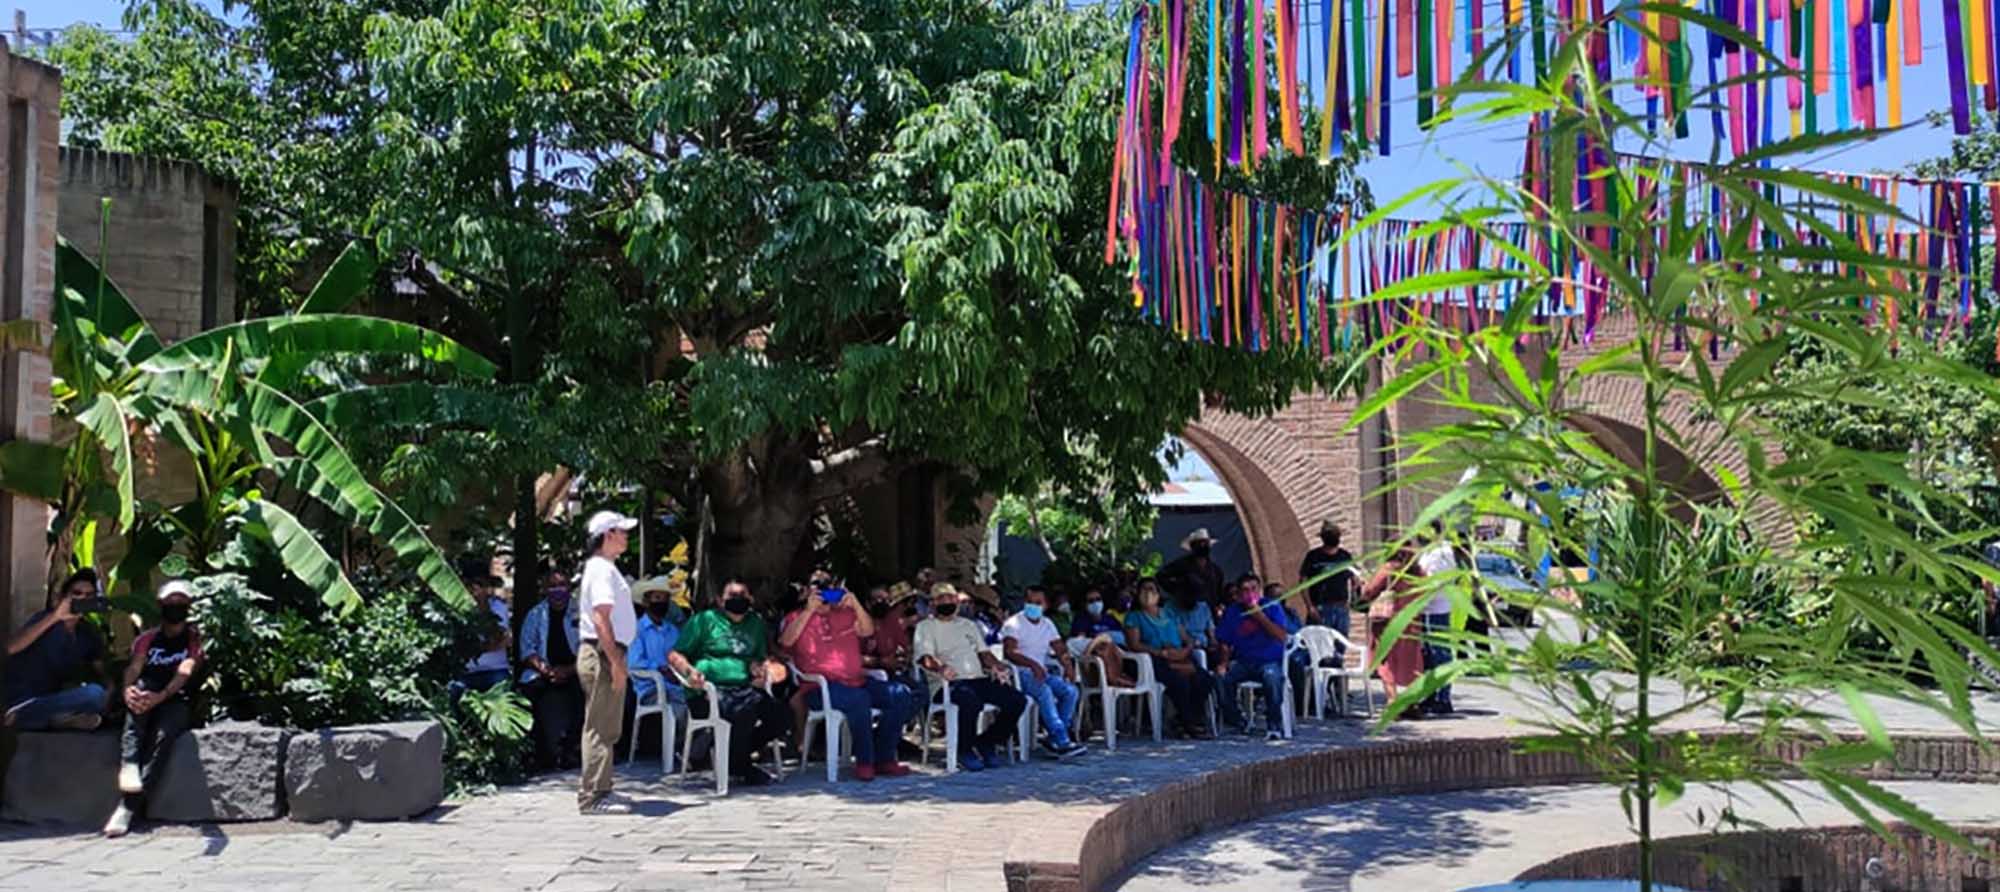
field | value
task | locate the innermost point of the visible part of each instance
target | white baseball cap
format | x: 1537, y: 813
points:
x: 175, y: 587
x: 605, y: 521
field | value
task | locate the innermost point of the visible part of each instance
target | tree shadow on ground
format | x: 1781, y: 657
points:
x: 1321, y: 849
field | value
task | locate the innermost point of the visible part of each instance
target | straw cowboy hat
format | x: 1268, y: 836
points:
x: 900, y: 592
x: 984, y: 594
x: 944, y: 589
x: 674, y: 584
x: 1199, y: 535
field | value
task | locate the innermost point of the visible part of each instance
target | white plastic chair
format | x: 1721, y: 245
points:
x: 1339, y: 679
x: 1146, y: 685
x: 662, y: 707
x: 718, y: 728
x: 940, y: 704
x: 839, y: 743
x: 1246, y: 691
x: 1031, y: 716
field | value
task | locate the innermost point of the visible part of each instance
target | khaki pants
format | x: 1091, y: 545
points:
x: 603, y: 714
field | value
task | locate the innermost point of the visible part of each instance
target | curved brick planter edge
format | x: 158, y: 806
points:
x: 1139, y: 826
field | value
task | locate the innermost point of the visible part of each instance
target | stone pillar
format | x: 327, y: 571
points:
x: 29, y: 128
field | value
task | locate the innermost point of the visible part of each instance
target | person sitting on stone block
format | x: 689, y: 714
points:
x: 164, y: 659
x: 49, y: 654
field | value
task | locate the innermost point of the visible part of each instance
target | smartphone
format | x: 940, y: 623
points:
x: 93, y: 604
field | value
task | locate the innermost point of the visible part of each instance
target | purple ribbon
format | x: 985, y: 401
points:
x: 1954, y: 51
x: 1239, y: 81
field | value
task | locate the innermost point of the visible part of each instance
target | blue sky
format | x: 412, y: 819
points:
x: 1417, y: 158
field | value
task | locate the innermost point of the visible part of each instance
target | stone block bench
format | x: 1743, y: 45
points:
x: 234, y: 771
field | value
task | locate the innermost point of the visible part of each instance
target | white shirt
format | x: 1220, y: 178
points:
x: 604, y: 586
x: 1033, y: 637
x: 1438, y: 561
x: 496, y: 658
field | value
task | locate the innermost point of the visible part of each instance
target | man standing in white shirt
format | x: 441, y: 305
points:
x: 605, y: 627
x: 1438, y: 561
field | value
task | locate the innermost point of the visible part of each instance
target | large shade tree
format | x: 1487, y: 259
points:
x: 768, y: 254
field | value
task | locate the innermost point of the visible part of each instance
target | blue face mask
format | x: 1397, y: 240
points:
x: 1032, y: 611
x: 1096, y: 608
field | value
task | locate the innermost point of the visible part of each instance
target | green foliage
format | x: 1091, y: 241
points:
x: 1087, y: 538
x: 1690, y: 618
x: 487, y: 739
x: 208, y: 396
x: 286, y: 660
x: 291, y: 664
x: 885, y: 236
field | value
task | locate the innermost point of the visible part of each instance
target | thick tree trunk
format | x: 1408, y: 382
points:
x: 762, y: 503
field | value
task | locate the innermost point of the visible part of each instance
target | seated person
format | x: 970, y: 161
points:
x: 887, y: 648
x: 548, y: 674
x: 1150, y: 630
x: 824, y: 638
x: 950, y: 648
x: 1197, y: 622
x: 49, y: 654
x: 495, y: 619
x: 654, y: 640
x: 1256, y: 629
x: 1032, y: 642
x: 727, y: 647
x: 164, y: 658
x: 1098, y: 634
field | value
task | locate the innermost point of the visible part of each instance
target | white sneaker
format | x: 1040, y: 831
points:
x: 120, y: 823
x: 128, y: 779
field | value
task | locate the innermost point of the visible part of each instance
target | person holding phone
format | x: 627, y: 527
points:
x: 1256, y: 628
x: 48, y: 655
x: 824, y: 638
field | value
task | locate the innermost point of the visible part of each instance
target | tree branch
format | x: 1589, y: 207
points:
x: 850, y: 469
x: 473, y: 328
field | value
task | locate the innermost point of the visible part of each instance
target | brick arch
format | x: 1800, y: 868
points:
x: 1613, y: 413
x: 1277, y: 489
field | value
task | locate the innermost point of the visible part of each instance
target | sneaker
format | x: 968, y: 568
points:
x: 605, y: 805
x: 1273, y: 735
x: 970, y: 761
x: 1072, y: 751
x: 752, y: 776
x: 864, y: 771
x: 891, y: 769
x: 120, y: 823
x: 1200, y: 732
x: 76, y: 721
x: 128, y: 778
x: 1051, y: 751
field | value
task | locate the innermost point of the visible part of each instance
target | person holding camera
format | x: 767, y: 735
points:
x: 164, y: 660
x: 823, y: 637
x: 52, y: 651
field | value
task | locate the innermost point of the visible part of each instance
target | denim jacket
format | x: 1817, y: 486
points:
x: 535, y: 636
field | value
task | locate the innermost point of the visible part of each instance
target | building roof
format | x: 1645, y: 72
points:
x: 1192, y: 494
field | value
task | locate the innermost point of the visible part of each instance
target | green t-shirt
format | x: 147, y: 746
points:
x: 723, y: 650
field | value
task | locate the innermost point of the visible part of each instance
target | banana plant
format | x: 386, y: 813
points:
x: 225, y: 398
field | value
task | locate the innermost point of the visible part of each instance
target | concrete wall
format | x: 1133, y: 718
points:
x: 172, y: 235
x: 29, y: 167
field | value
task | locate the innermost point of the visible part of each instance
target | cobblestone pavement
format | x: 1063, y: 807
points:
x: 929, y: 833
x: 1460, y: 840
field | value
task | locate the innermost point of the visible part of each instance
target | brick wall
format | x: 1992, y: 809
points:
x: 1144, y: 824
x: 1821, y: 859
x: 29, y: 129
x: 172, y: 238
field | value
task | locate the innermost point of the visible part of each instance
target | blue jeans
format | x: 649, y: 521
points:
x: 1436, y: 654
x: 1057, y: 699
x: 1340, y: 619
x: 1271, y: 675
x: 35, y: 713
x: 874, y: 739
